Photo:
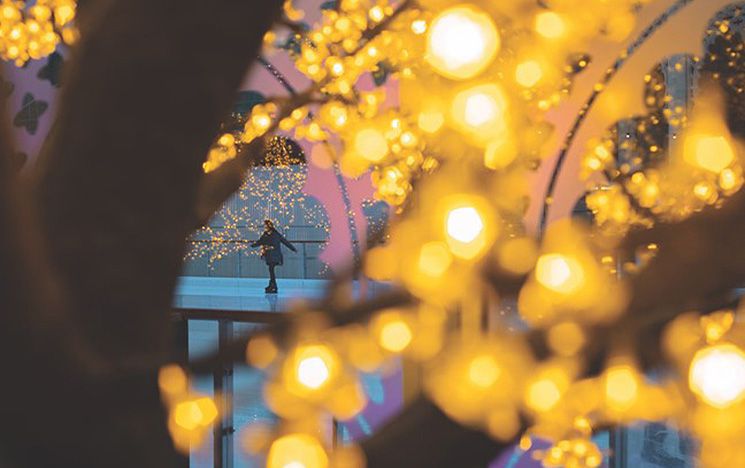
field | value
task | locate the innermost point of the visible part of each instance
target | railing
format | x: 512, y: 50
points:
x: 303, y: 247
x: 223, y: 451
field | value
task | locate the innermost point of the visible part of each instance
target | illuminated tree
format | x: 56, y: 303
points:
x: 272, y: 189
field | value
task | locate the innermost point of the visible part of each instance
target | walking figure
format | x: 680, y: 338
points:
x: 271, y: 251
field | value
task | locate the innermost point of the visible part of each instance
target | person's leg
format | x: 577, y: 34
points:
x: 272, y: 277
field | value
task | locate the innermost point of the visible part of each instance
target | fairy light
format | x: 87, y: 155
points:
x: 464, y: 224
x: 621, y: 387
x: 445, y: 118
x: 312, y: 372
x: 717, y: 375
x: 484, y: 371
x: 34, y: 32
x: 480, y: 112
x: 461, y: 42
x: 559, y: 273
x: 550, y: 25
x: 434, y: 259
x: 297, y: 451
x: 394, y: 334
x: 528, y: 73
x: 710, y: 152
x: 371, y: 144
x: 311, y: 368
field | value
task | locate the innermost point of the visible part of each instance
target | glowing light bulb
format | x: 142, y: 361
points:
x: 261, y: 121
x: 559, y: 273
x: 480, y: 109
x: 309, y: 369
x: 431, y: 122
x: 710, y: 152
x: 434, y: 259
x: 480, y: 113
x: 261, y: 351
x: 377, y: 13
x: 172, y: 380
x: 297, y: 451
x: 395, y: 336
x: 462, y: 42
x: 528, y: 73
x: 550, y: 25
x: 543, y: 395
x: 193, y: 414
x: 484, y: 371
x: 566, y: 339
x: 621, y: 387
x: 464, y: 224
x: 371, y: 144
x: 717, y: 375
x: 419, y: 26
x: 312, y: 372
x: 729, y: 179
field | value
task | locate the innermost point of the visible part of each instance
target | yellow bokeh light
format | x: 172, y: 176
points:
x: 710, y: 152
x: 371, y: 144
x: 566, y: 339
x: 528, y: 73
x: 297, y: 451
x: 395, y: 336
x: 312, y: 372
x: 462, y: 41
x: 728, y: 179
x: 172, y: 380
x: 543, y: 395
x: 434, y: 259
x: 377, y: 13
x: 484, y: 371
x: 310, y: 368
x: 431, y: 122
x: 550, y: 25
x: 392, y: 331
x: 261, y: 121
x: 468, y: 225
x: 464, y: 224
x: 480, y: 109
x: 419, y: 26
x: 621, y: 387
x: 261, y: 351
x: 196, y: 413
x: 500, y: 153
x: 717, y: 375
x: 560, y: 273
x: 518, y: 256
x: 480, y: 112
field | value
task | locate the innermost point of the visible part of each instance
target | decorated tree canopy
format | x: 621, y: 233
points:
x: 483, y: 123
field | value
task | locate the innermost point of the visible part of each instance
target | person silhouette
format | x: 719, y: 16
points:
x: 271, y: 251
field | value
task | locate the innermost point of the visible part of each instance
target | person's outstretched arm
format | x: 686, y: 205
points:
x: 261, y: 241
x: 286, y: 242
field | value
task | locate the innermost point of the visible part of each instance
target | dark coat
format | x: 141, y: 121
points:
x: 272, y: 250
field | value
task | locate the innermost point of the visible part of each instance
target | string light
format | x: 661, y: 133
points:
x: 297, y: 451
x: 717, y: 375
x: 462, y: 42
x: 550, y: 25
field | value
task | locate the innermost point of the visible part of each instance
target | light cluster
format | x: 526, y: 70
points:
x: 191, y: 415
x: 454, y: 148
x: 679, y: 158
x: 32, y: 32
